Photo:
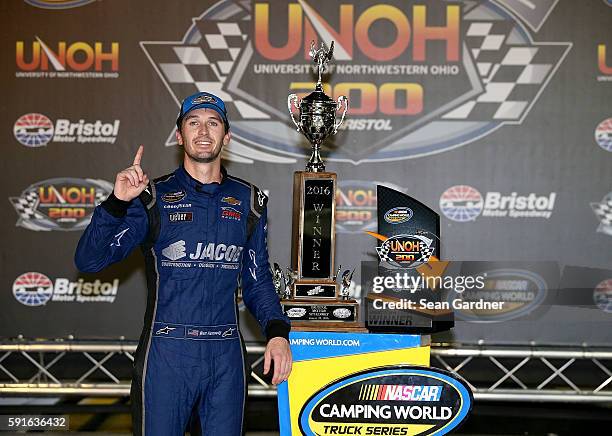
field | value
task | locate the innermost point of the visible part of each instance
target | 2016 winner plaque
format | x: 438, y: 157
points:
x: 311, y: 296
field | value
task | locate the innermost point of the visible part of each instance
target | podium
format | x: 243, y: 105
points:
x: 322, y: 358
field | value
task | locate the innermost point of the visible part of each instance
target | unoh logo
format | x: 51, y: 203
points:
x: 397, y: 400
x: 64, y: 203
x: 407, y: 251
x: 391, y: 58
x: 521, y: 292
x: 58, y: 4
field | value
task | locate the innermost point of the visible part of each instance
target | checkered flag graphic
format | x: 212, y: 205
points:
x: 26, y: 205
x: 603, y: 211
x: 512, y: 73
x: 426, y: 253
x: 191, y: 68
x: 383, y: 253
x: 100, y: 196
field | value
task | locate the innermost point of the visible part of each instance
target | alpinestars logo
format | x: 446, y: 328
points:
x: 484, y: 53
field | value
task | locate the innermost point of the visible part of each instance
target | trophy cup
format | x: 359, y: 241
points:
x: 312, y: 298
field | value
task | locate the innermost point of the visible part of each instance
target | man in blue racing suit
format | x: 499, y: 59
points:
x: 202, y: 233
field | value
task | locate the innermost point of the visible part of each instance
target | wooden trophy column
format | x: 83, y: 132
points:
x: 315, y: 303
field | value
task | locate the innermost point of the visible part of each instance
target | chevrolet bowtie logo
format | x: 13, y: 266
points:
x: 165, y: 330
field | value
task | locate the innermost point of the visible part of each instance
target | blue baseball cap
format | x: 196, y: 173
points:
x: 202, y: 100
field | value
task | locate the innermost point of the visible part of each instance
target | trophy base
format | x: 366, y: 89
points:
x: 314, y: 326
x: 315, y: 290
x: 327, y: 315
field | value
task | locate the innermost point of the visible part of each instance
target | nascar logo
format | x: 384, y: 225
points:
x: 400, y: 393
x: 398, y: 215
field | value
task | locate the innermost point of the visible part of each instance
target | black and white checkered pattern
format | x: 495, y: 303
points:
x: 512, y: 73
x: 26, y: 205
x: 188, y: 69
x: 383, y: 253
x: 603, y: 211
x: 100, y: 196
x: 426, y: 253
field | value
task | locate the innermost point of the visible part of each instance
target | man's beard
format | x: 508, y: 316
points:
x: 207, y: 159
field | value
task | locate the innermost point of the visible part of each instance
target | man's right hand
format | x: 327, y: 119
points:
x: 130, y: 182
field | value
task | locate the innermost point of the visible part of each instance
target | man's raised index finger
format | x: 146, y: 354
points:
x: 138, y: 155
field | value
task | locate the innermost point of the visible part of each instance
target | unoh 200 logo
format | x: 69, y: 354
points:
x: 391, y: 58
x: 398, y: 400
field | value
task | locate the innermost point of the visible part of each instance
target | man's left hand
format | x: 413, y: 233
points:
x: 278, y: 351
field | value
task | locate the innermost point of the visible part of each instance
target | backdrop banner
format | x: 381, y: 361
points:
x: 496, y: 114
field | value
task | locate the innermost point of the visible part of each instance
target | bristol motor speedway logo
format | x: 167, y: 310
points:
x: 36, y: 289
x: 37, y: 130
x: 483, y: 54
x: 463, y: 203
x: 60, y: 204
x: 602, y: 295
x: 603, y: 134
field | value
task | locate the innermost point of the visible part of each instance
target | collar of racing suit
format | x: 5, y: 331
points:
x: 196, y: 185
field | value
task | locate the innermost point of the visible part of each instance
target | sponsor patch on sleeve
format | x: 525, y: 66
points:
x: 230, y: 213
x: 180, y: 217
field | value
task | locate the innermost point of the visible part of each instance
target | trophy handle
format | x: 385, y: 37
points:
x: 292, y: 102
x: 342, y: 99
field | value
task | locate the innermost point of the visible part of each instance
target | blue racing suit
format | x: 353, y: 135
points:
x: 199, y: 241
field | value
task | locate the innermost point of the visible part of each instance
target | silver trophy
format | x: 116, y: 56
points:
x: 317, y: 110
